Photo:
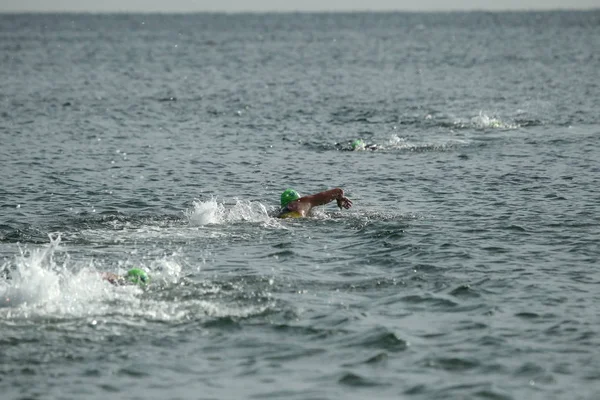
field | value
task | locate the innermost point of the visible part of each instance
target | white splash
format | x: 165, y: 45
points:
x: 396, y: 142
x: 165, y: 271
x: 484, y: 121
x: 211, y: 212
x: 205, y: 212
x: 32, y: 281
x: 39, y: 285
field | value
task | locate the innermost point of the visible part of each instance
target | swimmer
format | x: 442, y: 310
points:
x: 134, y: 276
x: 356, y: 145
x: 294, y: 206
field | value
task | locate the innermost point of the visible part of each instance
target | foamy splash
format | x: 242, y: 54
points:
x: 212, y: 212
x: 39, y: 285
x: 484, y: 121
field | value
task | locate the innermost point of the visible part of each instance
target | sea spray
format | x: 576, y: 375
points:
x: 211, y: 212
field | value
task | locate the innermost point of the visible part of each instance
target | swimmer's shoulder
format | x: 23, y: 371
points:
x: 289, y: 212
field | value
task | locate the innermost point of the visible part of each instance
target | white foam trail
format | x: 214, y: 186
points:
x: 440, y: 144
x: 211, y: 212
x: 248, y: 211
x: 220, y: 310
x: 397, y: 142
x: 484, y: 121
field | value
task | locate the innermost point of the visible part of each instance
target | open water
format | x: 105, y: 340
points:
x: 468, y: 267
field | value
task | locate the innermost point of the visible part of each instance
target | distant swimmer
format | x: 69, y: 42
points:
x: 294, y: 206
x: 356, y: 145
x: 134, y: 276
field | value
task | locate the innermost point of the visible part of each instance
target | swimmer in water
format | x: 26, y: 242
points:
x: 294, y: 206
x: 134, y: 276
x: 356, y: 145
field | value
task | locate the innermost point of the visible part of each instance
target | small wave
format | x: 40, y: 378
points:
x: 464, y: 291
x: 380, y: 338
x: 452, y: 363
x: 351, y: 379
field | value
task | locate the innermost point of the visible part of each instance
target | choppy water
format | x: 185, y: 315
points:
x: 468, y: 267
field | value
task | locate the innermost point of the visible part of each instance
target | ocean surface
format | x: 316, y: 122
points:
x: 468, y: 267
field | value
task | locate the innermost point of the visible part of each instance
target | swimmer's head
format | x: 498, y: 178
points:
x: 138, y: 276
x: 288, y: 195
x: 358, y: 144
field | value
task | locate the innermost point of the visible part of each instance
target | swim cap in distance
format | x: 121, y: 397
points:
x: 358, y: 144
x: 288, y: 195
x: 138, y: 276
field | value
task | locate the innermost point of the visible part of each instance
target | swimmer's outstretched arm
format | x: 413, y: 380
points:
x: 325, y: 197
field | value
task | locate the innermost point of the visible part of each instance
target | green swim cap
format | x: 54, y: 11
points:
x: 358, y: 144
x: 138, y: 276
x: 288, y: 195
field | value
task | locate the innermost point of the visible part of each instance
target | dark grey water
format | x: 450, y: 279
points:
x: 467, y: 269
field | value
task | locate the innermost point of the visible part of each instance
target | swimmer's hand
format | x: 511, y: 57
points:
x: 344, y: 202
